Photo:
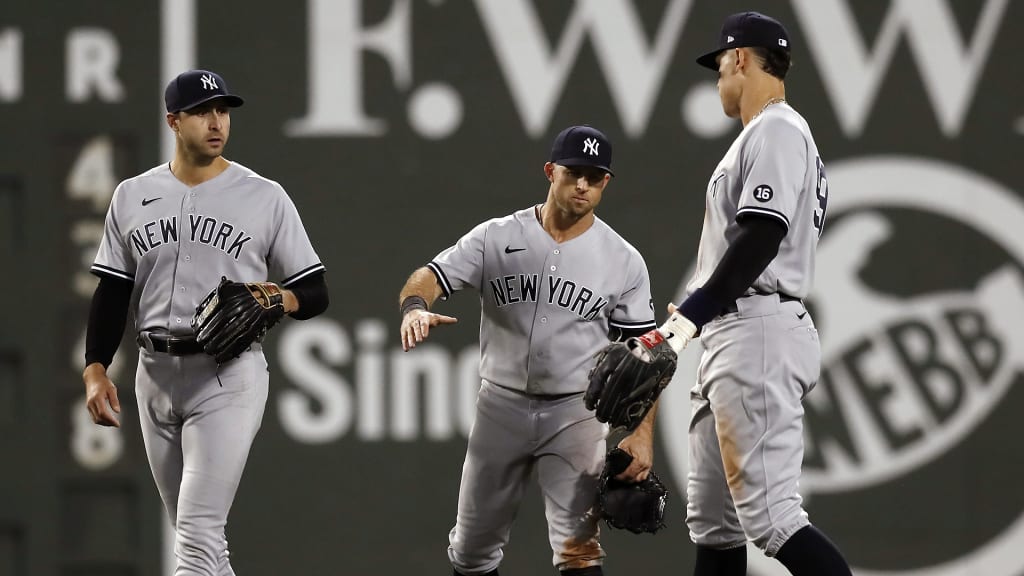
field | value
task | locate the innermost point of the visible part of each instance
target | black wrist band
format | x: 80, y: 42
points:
x: 412, y: 303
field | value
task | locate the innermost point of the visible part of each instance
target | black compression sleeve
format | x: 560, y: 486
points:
x: 747, y: 256
x: 107, y: 316
x: 311, y: 292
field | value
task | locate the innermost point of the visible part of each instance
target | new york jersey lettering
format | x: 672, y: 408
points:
x: 202, y: 229
x: 575, y: 298
x: 220, y: 235
x: 154, y: 233
x: 513, y: 289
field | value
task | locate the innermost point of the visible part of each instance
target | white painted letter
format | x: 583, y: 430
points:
x: 317, y: 381
x: 949, y: 66
x: 92, y: 58
x: 536, y: 74
x: 370, y: 378
x: 336, y: 45
x: 10, y: 65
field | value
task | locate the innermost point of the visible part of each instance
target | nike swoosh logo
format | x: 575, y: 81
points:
x: 801, y: 316
x: 509, y: 249
x: 148, y: 201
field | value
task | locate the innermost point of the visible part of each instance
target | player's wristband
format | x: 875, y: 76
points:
x: 678, y: 331
x: 413, y: 303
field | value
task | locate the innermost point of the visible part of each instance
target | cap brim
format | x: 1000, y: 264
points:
x: 710, y: 60
x: 230, y: 100
x: 583, y: 162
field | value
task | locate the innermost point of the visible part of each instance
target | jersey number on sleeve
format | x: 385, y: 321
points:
x: 822, y: 193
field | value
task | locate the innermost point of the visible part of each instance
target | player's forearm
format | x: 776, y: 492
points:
x: 306, y: 298
x: 108, y: 315
x: 421, y: 284
x: 756, y: 245
x: 646, y: 426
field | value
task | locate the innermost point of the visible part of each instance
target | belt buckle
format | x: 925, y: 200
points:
x: 144, y: 341
x: 172, y: 346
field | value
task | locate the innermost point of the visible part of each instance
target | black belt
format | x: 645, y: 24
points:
x: 536, y: 396
x: 167, y: 344
x: 733, y: 308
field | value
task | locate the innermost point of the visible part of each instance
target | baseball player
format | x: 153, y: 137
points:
x: 171, y: 233
x: 555, y: 283
x: 766, y: 205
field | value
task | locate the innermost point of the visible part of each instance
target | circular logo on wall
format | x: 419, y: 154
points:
x: 910, y: 463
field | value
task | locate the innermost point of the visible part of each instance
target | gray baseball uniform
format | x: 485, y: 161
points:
x: 746, y: 445
x: 546, y: 309
x: 198, y: 421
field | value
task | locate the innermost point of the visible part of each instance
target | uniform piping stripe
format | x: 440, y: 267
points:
x: 446, y: 286
x: 624, y: 324
x: 766, y: 212
x: 101, y: 270
x: 318, y: 267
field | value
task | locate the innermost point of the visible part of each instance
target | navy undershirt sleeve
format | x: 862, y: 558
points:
x: 108, y: 314
x: 746, y: 258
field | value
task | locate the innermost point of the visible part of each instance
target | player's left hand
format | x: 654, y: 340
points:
x: 416, y: 326
x: 640, y: 446
x: 100, y: 393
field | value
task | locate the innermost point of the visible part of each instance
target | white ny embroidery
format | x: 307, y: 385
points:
x: 590, y: 146
x: 209, y: 82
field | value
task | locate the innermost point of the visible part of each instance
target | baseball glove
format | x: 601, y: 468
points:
x: 635, y: 506
x: 234, y: 315
x: 628, y: 377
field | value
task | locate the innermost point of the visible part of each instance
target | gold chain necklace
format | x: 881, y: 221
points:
x: 766, y: 105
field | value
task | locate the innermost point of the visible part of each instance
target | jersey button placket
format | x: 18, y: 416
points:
x: 183, y: 274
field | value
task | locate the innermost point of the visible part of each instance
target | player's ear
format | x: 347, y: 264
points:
x: 172, y: 121
x: 549, y: 171
x: 742, y: 55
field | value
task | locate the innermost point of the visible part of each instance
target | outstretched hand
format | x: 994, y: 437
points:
x: 416, y: 326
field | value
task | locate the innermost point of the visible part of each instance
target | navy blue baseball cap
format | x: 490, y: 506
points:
x: 192, y: 88
x: 747, y: 29
x: 582, y: 146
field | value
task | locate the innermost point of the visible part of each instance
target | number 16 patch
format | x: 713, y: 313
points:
x: 763, y: 193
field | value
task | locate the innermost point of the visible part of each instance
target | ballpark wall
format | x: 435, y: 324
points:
x: 397, y: 125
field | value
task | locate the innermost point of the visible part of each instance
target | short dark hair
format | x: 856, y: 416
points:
x: 775, y: 61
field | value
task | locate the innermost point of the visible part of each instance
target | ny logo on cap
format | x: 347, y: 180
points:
x: 783, y: 43
x: 590, y: 146
x: 209, y: 82
x: 730, y: 39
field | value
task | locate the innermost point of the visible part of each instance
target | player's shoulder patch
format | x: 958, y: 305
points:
x: 763, y: 193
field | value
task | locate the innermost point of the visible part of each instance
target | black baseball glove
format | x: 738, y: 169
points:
x: 628, y: 377
x: 234, y: 315
x: 635, y: 506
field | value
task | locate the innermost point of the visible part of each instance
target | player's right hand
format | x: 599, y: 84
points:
x: 100, y: 393
x: 416, y: 325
